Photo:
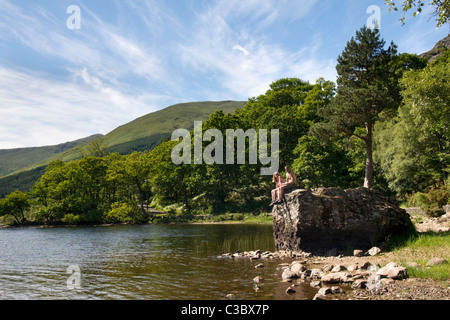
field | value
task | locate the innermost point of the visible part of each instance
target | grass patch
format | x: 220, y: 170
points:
x: 264, y: 218
x: 437, y: 273
x: 420, y: 248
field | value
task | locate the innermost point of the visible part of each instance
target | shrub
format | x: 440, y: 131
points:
x: 122, y: 212
x: 431, y: 201
x: 72, y: 219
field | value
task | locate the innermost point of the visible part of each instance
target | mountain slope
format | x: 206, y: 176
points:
x: 22, y: 167
x: 152, y: 128
x: 440, y: 47
x: 148, y: 131
x: 13, y: 160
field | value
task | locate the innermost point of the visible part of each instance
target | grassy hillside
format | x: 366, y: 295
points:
x: 13, y: 160
x: 22, y: 167
x: 148, y: 131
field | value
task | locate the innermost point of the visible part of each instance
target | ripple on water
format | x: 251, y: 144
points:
x: 137, y: 262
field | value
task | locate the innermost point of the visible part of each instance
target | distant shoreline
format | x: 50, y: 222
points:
x: 174, y: 220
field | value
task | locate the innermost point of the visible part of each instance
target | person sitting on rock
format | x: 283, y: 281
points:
x: 291, y: 183
x: 278, y: 180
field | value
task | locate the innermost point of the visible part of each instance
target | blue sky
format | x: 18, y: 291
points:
x: 133, y: 57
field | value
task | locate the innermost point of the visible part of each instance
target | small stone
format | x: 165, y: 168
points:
x: 358, y: 253
x: 365, y: 265
x: 288, y: 274
x: 324, y: 291
x: 374, y: 251
x: 258, y: 279
x: 413, y: 265
x: 338, y: 268
x: 327, y: 268
x: 316, y: 274
x: 336, y: 290
x: 298, y: 268
x: 259, y: 266
x: 436, y: 262
x: 315, y: 284
x: 393, y: 271
x: 319, y: 297
x: 352, y: 267
x: 230, y: 296
x: 335, y: 277
x: 290, y: 290
x: 359, y: 284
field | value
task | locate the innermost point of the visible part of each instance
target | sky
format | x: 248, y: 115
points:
x: 73, y: 68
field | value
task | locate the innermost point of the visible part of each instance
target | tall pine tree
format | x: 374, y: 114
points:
x: 366, y: 86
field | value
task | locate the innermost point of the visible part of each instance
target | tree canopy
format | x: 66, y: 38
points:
x: 441, y: 9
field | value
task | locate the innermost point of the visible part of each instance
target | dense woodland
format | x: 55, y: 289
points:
x: 384, y: 125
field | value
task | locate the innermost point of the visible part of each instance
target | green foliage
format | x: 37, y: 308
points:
x: 142, y: 134
x: 413, y: 149
x: 96, y: 148
x: 19, y: 160
x: 123, y: 212
x: 432, y: 200
x: 441, y: 9
x: 22, y: 181
x: 322, y: 164
x: 15, y: 204
x: 366, y: 87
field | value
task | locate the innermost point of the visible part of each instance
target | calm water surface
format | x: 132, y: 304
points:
x: 158, y: 262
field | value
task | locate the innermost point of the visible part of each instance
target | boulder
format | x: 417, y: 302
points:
x: 320, y: 220
x: 393, y: 271
x: 436, y: 262
x: 334, y: 277
x: 288, y: 274
x: 298, y: 268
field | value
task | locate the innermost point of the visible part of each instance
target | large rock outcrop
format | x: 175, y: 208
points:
x: 325, y: 219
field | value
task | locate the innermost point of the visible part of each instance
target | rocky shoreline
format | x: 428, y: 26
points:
x: 357, y: 277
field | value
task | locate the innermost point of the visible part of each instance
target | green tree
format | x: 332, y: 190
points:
x: 96, y: 148
x: 169, y: 182
x: 427, y: 96
x: 322, y: 164
x: 129, y: 176
x: 74, y: 189
x: 441, y: 9
x: 15, y: 204
x: 366, y: 88
x: 413, y: 148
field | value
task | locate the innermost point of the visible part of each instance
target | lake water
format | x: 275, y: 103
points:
x: 151, y: 262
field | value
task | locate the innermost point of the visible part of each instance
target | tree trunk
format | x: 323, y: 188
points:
x: 442, y: 161
x: 369, y: 157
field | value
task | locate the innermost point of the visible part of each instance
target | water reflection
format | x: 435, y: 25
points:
x: 173, y: 262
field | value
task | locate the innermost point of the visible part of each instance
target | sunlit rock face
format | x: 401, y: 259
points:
x: 333, y: 219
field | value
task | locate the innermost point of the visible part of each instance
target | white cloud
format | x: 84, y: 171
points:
x: 36, y: 109
x: 241, y: 57
x: 110, y: 72
x: 241, y: 49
